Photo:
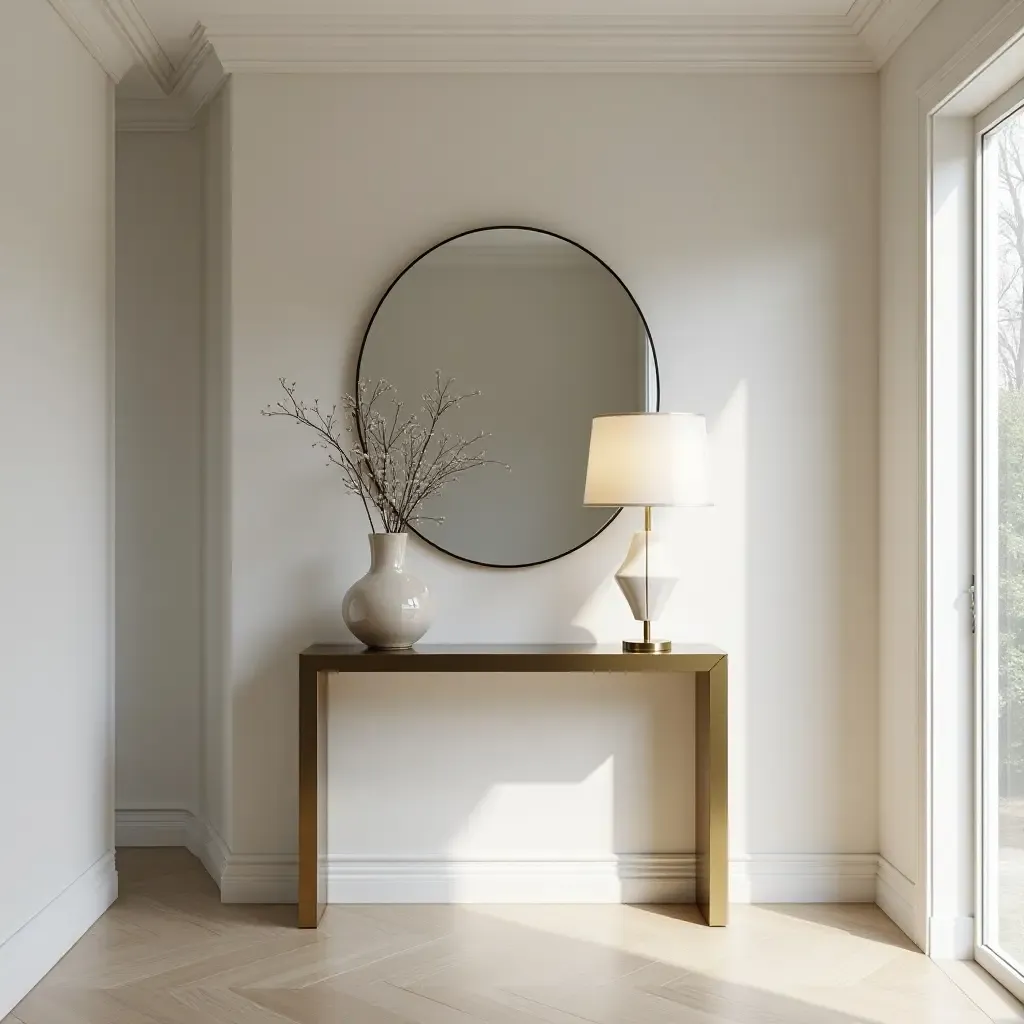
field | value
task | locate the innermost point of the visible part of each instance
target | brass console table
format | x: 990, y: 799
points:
x: 708, y: 665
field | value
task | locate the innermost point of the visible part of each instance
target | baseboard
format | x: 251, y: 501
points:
x: 32, y: 951
x: 641, y: 878
x: 803, y: 878
x: 950, y: 938
x: 259, y: 878
x: 636, y: 878
x: 206, y: 844
x: 173, y: 827
x: 153, y: 827
x: 897, y: 898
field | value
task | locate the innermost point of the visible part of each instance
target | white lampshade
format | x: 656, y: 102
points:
x: 655, y: 458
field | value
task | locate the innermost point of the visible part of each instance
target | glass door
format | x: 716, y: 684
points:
x: 1000, y: 562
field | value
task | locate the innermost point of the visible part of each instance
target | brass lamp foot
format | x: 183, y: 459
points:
x: 647, y: 646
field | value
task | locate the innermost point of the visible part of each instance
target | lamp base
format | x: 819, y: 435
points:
x: 647, y: 646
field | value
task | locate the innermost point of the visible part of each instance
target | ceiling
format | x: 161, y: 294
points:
x: 169, y: 56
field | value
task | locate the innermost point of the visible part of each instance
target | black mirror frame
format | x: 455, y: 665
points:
x: 636, y: 306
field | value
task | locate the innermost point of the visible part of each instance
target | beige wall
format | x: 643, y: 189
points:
x: 742, y: 212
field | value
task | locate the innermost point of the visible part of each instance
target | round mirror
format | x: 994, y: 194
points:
x: 550, y: 338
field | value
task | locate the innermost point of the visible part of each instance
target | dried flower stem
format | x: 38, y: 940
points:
x: 393, y: 462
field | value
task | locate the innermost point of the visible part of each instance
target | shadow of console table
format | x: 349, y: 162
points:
x: 708, y: 666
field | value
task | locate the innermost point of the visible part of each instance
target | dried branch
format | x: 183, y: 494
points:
x: 392, y: 460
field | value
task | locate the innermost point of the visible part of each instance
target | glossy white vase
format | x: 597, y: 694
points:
x: 388, y: 608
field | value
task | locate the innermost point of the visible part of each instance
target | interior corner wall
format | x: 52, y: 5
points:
x: 56, y: 499
x: 159, y: 421
x: 742, y: 211
x: 902, y: 366
x: 215, y: 467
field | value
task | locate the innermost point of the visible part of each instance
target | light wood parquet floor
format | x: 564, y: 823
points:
x: 168, y: 952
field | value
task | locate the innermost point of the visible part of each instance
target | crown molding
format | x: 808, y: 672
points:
x: 144, y: 44
x: 99, y: 30
x: 167, y: 114
x: 536, y: 43
x: 884, y: 24
x: 117, y: 35
x: 196, y: 80
x: 119, y: 38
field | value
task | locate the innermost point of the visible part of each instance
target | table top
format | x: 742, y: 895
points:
x: 509, y: 658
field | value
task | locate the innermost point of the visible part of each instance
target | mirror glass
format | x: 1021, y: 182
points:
x: 551, y: 338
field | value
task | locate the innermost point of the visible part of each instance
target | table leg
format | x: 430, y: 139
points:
x: 312, y: 793
x: 712, y: 803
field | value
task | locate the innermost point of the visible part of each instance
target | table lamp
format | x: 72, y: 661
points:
x: 648, y: 459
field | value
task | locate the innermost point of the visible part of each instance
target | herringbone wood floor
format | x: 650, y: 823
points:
x: 168, y: 952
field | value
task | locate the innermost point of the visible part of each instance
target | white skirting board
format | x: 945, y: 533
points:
x: 173, y: 827
x: 154, y: 827
x: 32, y: 951
x: 897, y: 896
x: 639, y: 878
x: 803, y: 878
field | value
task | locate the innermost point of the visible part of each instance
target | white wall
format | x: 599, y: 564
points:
x: 159, y: 417
x: 56, y: 691
x: 902, y: 373
x: 742, y: 211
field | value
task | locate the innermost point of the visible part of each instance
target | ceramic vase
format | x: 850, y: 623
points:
x: 388, y: 608
x: 646, y: 578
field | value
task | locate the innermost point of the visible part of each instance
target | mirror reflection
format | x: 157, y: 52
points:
x: 551, y: 338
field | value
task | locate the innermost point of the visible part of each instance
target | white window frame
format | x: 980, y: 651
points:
x: 987, y: 561
x: 990, y: 66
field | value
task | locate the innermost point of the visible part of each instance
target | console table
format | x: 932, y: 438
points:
x: 708, y: 666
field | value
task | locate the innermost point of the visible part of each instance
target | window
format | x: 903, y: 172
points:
x: 1001, y: 543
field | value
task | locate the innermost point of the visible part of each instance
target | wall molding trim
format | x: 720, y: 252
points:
x: 173, y: 827
x: 630, y: 878
x: 196, y: 80
x: 627, y: 878
x: 803, y: 878
x: 157, y: 827
x: 885, y: 24
x: 140, y: 38
x: 638, y: 878
x: 34, y: 949
x: 971, y: 59
x: 635, y: 878
x: 204, y: 843
x: 897, y: 897
x: 99, y: 28
x: 119, y: 38
x: 538, y: 42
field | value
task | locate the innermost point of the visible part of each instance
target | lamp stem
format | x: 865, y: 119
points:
x: 647, y: 574
x: 647, y: 645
